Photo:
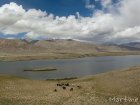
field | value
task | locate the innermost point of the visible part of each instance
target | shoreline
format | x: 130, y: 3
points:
x: 99, y: 89
x: 78, y: 78
x: 44, y: 56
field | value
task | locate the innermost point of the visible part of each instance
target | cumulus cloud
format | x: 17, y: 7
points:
x: 89, y: 5
x: 106, y: 3
x: 120, y: 23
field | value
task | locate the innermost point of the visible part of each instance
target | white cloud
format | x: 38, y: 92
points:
x: 129, y: 32
x: 121, y: 23
x: 89, y: 5
x: 106, y: 3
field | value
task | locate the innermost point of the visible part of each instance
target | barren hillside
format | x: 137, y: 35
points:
x: 14, y: 49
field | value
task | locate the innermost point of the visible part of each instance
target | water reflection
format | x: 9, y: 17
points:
x: 69, y: 67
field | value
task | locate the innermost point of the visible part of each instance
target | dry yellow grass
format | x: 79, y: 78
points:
x: 59, y: 55
x: 95, y: 90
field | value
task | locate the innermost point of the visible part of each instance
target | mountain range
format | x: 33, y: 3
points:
x: 135, y: 45
x: 58, y: 48
x: 59, y: 45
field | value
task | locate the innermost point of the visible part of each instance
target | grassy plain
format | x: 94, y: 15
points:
x: 64, y: 55
x: 94, y: 90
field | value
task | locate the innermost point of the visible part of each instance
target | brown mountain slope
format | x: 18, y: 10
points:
x: 16, y: 45
x: 12, y: 43
x: 14, y: 49
x: 77, y: 46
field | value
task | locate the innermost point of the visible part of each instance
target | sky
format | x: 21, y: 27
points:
x: 99, y: 21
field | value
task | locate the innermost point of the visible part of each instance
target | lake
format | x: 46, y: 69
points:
x: 67, y: 68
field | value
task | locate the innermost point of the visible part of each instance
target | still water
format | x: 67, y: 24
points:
x: 67, y: 68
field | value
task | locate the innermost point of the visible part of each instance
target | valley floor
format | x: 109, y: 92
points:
x: 112, y: 88
x: 58, y: 55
